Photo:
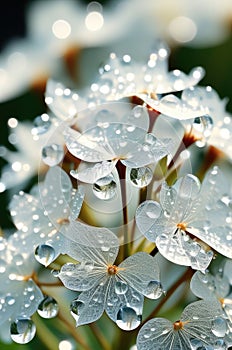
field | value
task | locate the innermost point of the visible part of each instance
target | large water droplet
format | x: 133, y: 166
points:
x: 141, y: 177
x: 48, y: 308
x: 75, y: 308
x: 203, y: 128
x: 42, y: 124
x: 154, y: 290
x: 52, y: 154
x: 219, y: 327
x: 127, y: 319
x: 22, y: 330
x: 121, y: 287
x: 2, y: 266
x: 44, y: 254
x: 105, y: 188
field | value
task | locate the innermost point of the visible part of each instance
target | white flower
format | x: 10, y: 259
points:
x: 121, y: 78
x: 44, y: 218
x: 118, y: 290
x: 20, y: 296
x: 198, y: 327
x: 113, y: 141
x: 215, y: 288
x: 187, y: 212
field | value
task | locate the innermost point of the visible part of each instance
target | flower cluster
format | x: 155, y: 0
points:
x: 121, y: 191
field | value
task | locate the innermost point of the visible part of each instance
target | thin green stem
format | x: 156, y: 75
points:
x: 100, y: 337
x: 73, y: 331
x: 44, y: 333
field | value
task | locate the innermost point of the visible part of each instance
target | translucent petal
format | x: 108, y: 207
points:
x: 119, y: 297
x: 139, y: 270
x: 82, y: 276
x: 76, y: 202
x: 92, y: 173
x: 89, y: 243
x: 156, y: 334
x: 55, y: 194
x: 173, y: 107
x: 26, y: 213
x: 218, y: 238
x: 91, y: 304
x: 228, y: 270
x: 85, y: 148
x: 29, y: 299
x: 206, y: 286
x: 63, y: 102
x: 146, y: 214
x: 187, y: 188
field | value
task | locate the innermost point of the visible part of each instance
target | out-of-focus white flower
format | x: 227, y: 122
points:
x: 124, y: 77
x: 199, y: 326
x: 52, y: 210
x: 200, y: 24
x: 20, y: 296
x: 188, y: 211
x: 118, y: 290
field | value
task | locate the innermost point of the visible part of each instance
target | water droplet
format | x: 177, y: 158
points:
x: 121, y: 287
x: 203, y: 128
x: 141, y: 177
x: 10, y: 300
x: 105, y: 188
x: 42, y: 124
x: 48, y: 308
x: 194, y: 249
x: 44, y: 254
x: 154, y: 290
x: 220, y: 344
x: 22, y: 330
x: 219, y: 327
x: 75, y: 308
x: 197, y: 344
x: 127, y: 319
x: 52, y: 154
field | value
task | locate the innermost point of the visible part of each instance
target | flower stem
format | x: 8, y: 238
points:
x: 99, y: 336
x: 44, y: 333
x: 73, y: 331
x: 186, y: 276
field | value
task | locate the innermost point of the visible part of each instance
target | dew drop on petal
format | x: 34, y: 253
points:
x: 44, y: 254
x: 105, y: 188
x: 75, y: 309
x: 22, y: 330
x: 197, y: 344
x: 52, y: 154
x: 121, y: 287
x: 220, y: 344
x: 10, y: 300
x: 203, y: 128
x: 219, y: 327
x: 128, y: 319
x: 48, y: 308
x: 42, y: 124
x: 141, y: 177
x: 154, y: 290
x: 2, y: 266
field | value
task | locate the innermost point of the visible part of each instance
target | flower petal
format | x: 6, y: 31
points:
x: 141, y: 270
x: 89, y: 243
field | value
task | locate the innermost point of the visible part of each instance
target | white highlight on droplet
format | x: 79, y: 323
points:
x: 183, y: 29
x: 94, y: 21
x: 65, y: 345
x: 12, y: 122
x: 61, y: 29
x: 16, y: 166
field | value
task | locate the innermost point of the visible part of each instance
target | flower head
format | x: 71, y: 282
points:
x: 189, y: 212
x: 44, y: 218
x: 198, y: 327
x: 117, y: 289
